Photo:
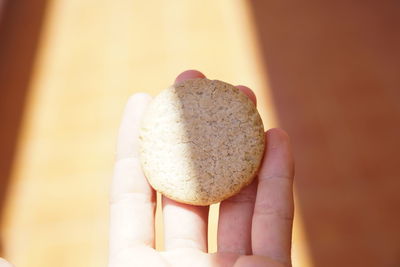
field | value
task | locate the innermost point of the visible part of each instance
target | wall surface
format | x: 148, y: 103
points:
x: 326, y: 71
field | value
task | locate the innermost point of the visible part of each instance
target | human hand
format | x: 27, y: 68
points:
x: 255, y: 226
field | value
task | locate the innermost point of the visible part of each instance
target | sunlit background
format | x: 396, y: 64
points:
x: 326, y: 71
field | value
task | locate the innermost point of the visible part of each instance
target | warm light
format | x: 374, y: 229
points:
x: 92, y: 55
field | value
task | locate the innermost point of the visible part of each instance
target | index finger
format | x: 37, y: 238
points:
x: 132, y: 199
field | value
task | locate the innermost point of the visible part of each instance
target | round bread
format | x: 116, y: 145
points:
x: 201, y: 141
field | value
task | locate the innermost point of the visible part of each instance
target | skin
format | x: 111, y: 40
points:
x: 255, y: 226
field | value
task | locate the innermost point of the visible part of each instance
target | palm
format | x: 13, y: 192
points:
x: 254, y: 226
x: 145, y: 256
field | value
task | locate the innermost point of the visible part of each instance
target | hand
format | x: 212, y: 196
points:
x: 255, y: 226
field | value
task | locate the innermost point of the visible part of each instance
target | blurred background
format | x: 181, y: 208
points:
x: 328, y: 72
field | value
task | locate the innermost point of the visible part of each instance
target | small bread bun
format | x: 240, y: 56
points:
x: 201, y: 141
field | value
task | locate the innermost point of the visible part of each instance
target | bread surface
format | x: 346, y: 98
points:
x: 201, y: 141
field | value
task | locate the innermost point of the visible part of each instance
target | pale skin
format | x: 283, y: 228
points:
x: 255, y: 226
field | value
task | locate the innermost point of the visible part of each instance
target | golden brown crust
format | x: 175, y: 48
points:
x: 201, y: 141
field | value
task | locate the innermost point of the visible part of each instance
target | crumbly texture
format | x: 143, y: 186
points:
x: 201, y: 141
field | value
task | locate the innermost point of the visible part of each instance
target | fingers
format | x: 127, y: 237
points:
x: 185, y: 226
x: 132, y: 199
x: 234, y: 225
x: 273, y: 210
x: 193, y: 74
x: 256, y: 261
x: 235, y: 214
x: 247, y: 91
x: 188, y: 75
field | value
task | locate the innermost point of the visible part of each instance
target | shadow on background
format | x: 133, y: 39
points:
x: 333, y: 68
x: 20, y: 25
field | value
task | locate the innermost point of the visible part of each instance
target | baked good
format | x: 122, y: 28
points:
x: 201, y: 141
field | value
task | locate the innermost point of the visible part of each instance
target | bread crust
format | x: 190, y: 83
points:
x: 201, y: 141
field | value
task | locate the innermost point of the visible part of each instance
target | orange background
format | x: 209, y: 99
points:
x: 326, y: 71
